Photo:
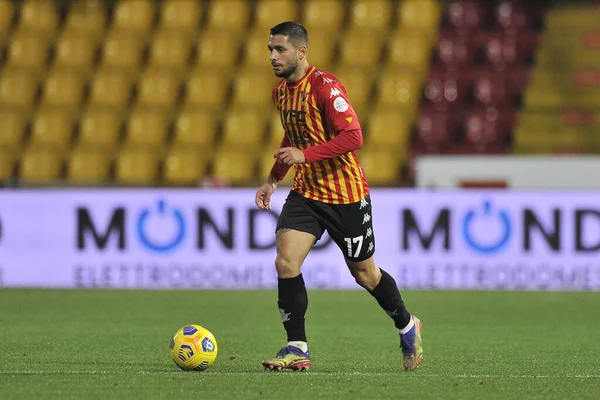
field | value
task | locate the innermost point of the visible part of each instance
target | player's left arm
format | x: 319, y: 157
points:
x: 333, y: 100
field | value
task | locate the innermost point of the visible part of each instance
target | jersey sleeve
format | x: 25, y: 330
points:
x: 279, y: 171
x: 333, y: 100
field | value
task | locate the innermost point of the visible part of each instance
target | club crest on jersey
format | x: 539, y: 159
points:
x: 334, y: 92
x: 303, y: 95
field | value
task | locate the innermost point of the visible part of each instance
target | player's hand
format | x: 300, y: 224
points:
x: 263, y: 195
x: 290, y: 156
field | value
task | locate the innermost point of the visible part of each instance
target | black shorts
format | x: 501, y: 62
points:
x: 349, y: 225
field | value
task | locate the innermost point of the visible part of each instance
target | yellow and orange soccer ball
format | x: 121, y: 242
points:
x: 193, y: 348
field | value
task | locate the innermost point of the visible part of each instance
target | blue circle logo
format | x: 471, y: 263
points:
x: 167, y: 245
x: 503, y: 239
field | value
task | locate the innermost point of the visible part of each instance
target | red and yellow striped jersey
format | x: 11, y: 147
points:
x: 313, y: 111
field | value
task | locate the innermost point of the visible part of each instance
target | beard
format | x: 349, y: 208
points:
x: 287, y: 72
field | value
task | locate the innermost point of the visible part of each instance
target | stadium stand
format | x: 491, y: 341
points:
x: 560, y: 105
x: 474, y: 86
x: 156, y: 92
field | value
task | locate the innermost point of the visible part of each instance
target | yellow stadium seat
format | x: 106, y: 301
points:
x: 181, y: 14
x: 52, y: 127
x: 170, y: 49
x: 63, y: 88
x: 206, y: 88
x: 399, y: 87
x: 382, y: 166
x: 374, y: 15
x: 100, y: 128
x: 158, y: 87
x: 87, y: 17
x: 184, y: 166
x: 6, y: 18
x: 326, y: 15
x: 265, y: 163
x: 232, y: 15
x: 566, y: 58
x: 388, y: 128
x: 256, y: 51
x: 136, y: 15
x: 269, y: 13
x: 146, y: 127
x: 408, y: 49
x: 39, y: 15
x: 28, y: 49
x: 76, y: 50
x: 360, y: 48
x: 18, y: 88
x: 39, y: 164
x: 542, y: 78
x: 210, y: 45
x: 422, y: 15
x: 576, y: 18
x: 275, y: 133
x: 110, y: 87
x: 540, y: 97
x: 273, y: 141
x: 243, y: 127
x: 275, y: 130
x: 136, y: 166
x: 236, y: 166
x: 195, y: 128
x: 7, y: 163
x: 321, y: 46
x: 358, y: 84
x: 88, y: 166
x: 563, y: 140
x: 254, y: 88
x: 13, y: 128
x: 122, y: 49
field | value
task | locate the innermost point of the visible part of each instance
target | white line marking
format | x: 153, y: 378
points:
x: 357, y: 373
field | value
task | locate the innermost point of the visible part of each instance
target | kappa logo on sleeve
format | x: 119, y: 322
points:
x: 334, y: 93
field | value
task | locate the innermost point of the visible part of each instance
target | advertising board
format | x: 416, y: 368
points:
x: 218, y: 239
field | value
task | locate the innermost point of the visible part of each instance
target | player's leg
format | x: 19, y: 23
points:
x: 384, y: 289
x: 297, y: 231
x: 292, y: 248
x: 351, y: 227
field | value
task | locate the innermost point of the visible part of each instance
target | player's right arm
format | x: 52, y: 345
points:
x: 278, y: 172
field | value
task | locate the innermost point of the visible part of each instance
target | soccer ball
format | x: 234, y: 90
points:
x: 193, y: 348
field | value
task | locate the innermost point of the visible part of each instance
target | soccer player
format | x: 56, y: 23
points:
x: 329, y: 193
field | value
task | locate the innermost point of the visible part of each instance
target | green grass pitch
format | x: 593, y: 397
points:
x: 96, y: 344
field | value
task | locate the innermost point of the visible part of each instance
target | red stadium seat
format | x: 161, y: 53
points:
x: 503, y: 49
x: 455, y: 49
x: 491, y: 88
x: 517, y: 14
x: 517, y: 78
x: 467, y: 14
x: 435, y: 129
x: 488, y: 127
x: 445, y: 92
x: 472, y: 149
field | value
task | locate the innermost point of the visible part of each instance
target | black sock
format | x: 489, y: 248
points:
x: 388, y: 296
x: 293, y: 303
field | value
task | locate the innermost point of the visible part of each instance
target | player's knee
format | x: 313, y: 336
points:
x: 366, y: 275
x: 365, y: 279
x: 286, y: 268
